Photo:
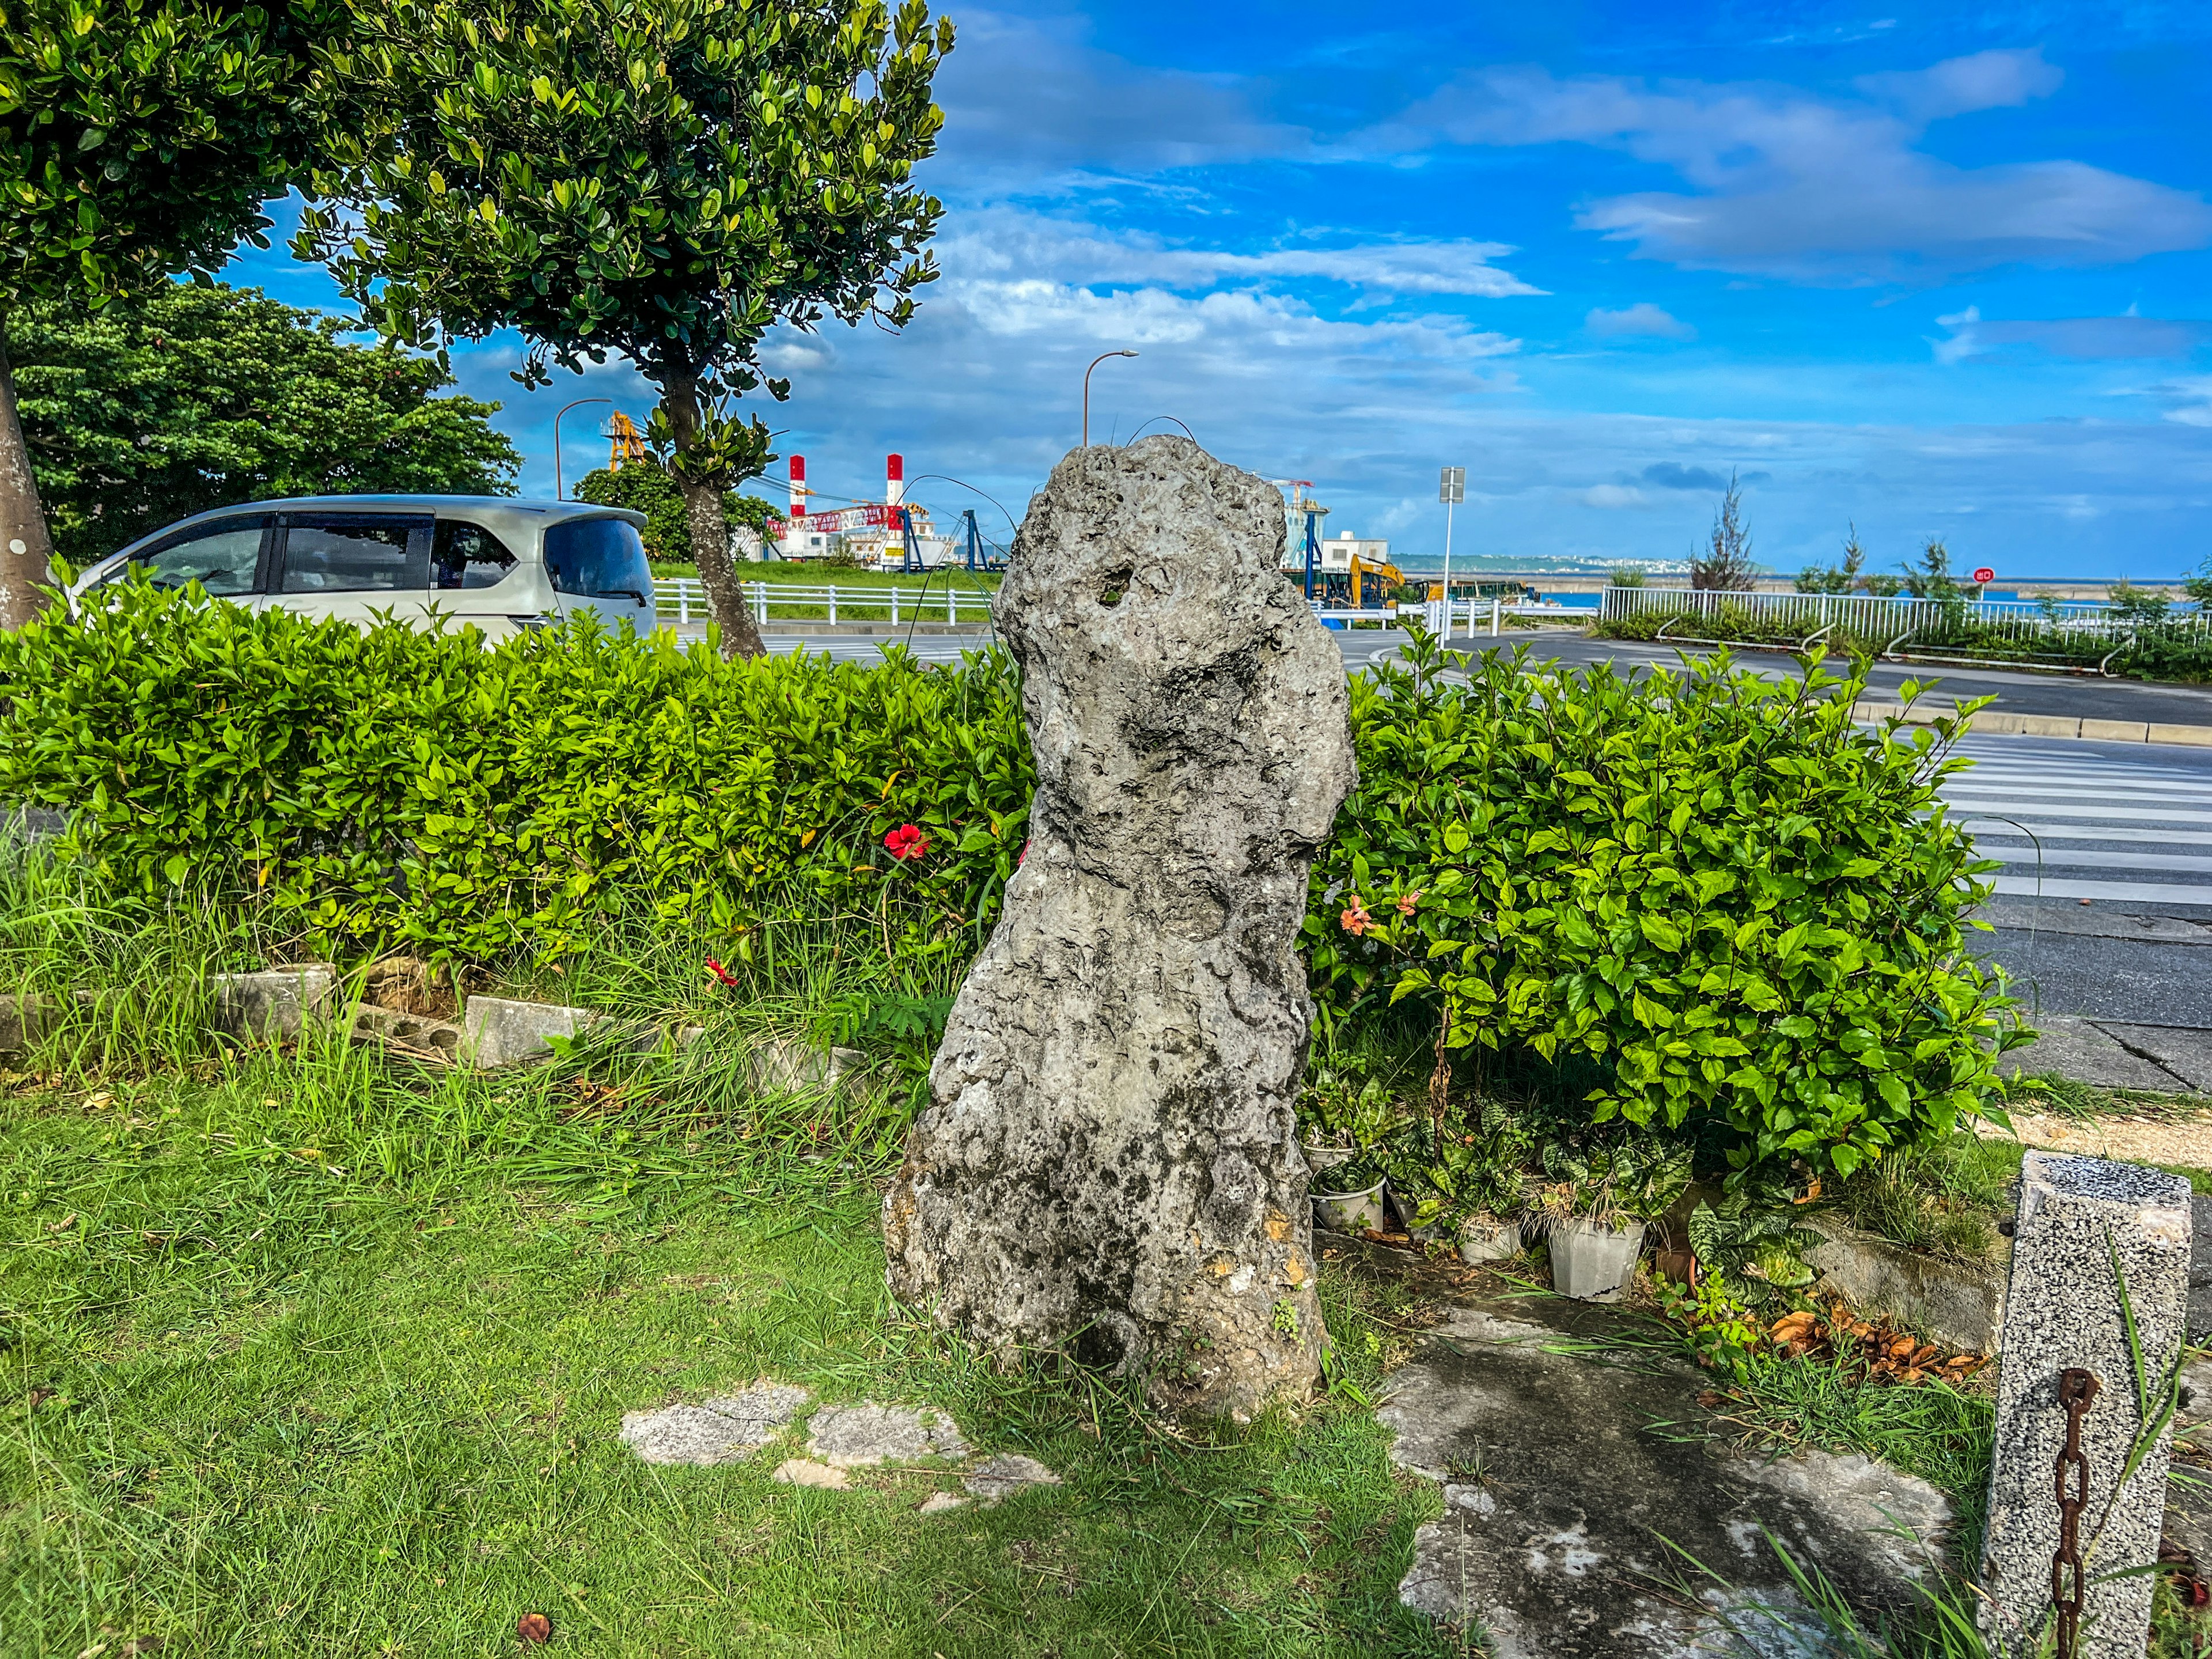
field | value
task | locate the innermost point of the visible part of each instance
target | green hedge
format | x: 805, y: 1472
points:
x: 1745, y: 914
x: 398, y: 786
x: 1744, y: 910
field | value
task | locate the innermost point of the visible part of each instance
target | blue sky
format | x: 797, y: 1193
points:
x: 1940, y: 271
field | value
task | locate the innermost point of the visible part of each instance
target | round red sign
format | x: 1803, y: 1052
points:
x: 1985, y: 575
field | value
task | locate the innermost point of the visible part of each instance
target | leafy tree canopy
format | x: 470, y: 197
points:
x: 140, y: 137
x: 664, y: 179
x: 189, y: 397
x: 645, y: 487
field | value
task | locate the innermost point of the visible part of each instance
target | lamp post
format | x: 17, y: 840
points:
x: 557, y: 414
x: 1095, y: 362
x: 1451, y: 490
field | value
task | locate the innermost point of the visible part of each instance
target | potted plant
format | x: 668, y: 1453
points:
x: 1597, y: 1200
x: 1341, y: 1117
x: 1459, y: 1182
x: 1357, y: 1207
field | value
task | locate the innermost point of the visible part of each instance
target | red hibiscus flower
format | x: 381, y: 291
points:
x: 1406, y: 902
x: 1355, y: 920
x: 906, y: 842
x: 721, y: 973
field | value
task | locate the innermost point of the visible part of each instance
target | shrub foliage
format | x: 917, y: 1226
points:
x: 1736, y: 916
x: 1746, y: 912
x: 398, y: 787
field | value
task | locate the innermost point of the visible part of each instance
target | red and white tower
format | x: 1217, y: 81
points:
x: 894, y: 480
x: 799, y: 486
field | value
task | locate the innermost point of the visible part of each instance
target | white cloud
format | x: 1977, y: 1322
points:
x: 1022, y: 92
x: 2191, y: 400
x: 2126, y: 336
x: 1612, y: 497
x: 1641, y: 319
x: 1789, y: 184
x: 1007, y: 239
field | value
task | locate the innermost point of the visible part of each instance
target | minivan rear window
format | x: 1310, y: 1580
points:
x: 599, y: 558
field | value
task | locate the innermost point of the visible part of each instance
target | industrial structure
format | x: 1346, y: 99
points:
x: 1348, y: 573
x: 891, y: 534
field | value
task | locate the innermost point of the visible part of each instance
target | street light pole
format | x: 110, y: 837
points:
x: 1451, y: 490
x: 557, y: 414
x: 1095, y: 362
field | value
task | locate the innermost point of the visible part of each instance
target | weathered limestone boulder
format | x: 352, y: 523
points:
x: 1108, y: 1164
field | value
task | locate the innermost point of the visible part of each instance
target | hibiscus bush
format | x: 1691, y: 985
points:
x: 1742, y: 915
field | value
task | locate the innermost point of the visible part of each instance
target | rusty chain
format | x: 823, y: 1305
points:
x: 2077, y: 1390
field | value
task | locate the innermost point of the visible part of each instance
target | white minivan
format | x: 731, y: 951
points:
x: 495, y: 562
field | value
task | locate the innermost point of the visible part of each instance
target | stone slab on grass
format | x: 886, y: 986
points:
x: 1008, y: 1473
x: 858, y: 1437
x: 723, y: 1430
x: 799, y: 1472
x: 1952, y: 1302
x: 2080, y: 1049
x: 274, y: 1003
x: 1557, y: 1494
x: 503, y: 1032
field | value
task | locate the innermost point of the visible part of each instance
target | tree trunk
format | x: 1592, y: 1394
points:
x: 25, y: 554
x: 710, y: 530
x: 1109, y: 1162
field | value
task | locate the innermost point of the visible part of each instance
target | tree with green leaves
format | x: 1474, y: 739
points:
x: 186, y: 398
x: 667, y: 179
x: 139, y: 139
x: 645, y: 487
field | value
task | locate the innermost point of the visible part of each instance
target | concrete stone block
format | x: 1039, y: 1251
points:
x: 798, y: 1068
x: 1992, y: 722
x: 2048, y: 725
x: 2085, y: 1227
x: 1955, y: 1304
x: 2115, y: 731
x: 500, y: 1032
x: 275, y: 1004
x: 2194, y: 737
x: 24, y: 1020
x: 2200, y: 1292
x: 416, y: 1035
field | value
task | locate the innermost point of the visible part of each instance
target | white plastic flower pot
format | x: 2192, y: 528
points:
x: 1483, y: 1238
x: 1593, y: 1263
x: 1350, y: 1212
x: 1319, y: 1157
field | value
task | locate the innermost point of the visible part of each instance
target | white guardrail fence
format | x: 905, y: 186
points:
x: 685, y: 599
x: 1891, y: 624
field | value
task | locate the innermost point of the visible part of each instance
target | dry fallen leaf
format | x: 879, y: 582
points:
x: 534, y: 1627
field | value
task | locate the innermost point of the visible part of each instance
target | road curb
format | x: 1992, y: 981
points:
x: 1996, y: 723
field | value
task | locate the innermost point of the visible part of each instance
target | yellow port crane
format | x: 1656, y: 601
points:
x: 624, y: 441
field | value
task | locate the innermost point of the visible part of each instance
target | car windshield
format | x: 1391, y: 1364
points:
x: 599, y: 558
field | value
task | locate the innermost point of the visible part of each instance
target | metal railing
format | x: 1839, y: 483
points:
x: 684, y: 598
x: 1937, y: 630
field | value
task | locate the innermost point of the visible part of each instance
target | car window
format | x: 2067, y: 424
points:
x: 599, y: 558
x: 467, y: 555
x: 220, y: 556
x: 355, y: 554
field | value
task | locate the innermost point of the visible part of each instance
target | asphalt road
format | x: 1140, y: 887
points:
x: 2105, y: 905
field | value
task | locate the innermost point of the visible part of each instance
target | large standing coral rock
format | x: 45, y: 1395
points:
x: 1108, y: 1164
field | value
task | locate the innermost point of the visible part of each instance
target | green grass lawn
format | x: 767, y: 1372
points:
x: 928, y: 591
x: 315, y: 1355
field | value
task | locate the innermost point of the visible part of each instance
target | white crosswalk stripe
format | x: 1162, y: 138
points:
x: 2106, y: 822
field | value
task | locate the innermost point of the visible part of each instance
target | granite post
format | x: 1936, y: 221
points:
x: 2085, y: 1228
x: 1109, y: 1164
